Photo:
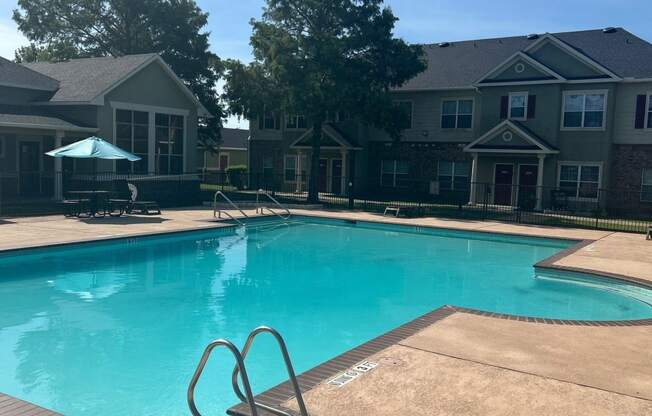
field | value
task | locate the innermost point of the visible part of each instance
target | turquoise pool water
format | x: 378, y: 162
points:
x: 118, y: 328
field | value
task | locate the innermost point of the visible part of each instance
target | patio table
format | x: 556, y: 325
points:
x: 98, y: 201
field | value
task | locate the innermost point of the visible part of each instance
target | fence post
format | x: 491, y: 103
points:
x: 350, y: 193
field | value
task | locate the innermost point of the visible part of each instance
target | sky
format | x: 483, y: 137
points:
x: 420, y: 21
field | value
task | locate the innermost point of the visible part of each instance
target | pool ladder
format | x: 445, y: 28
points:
x: 239, y: 369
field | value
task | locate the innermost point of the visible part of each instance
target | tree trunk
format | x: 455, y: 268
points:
x: 313, y: 188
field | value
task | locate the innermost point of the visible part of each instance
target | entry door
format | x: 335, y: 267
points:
x: 224, y: 162
x: 527, y: 186
x: 323, y: 175
x: 29, y: 161
x: 336, y: 176
x: 503, y: 180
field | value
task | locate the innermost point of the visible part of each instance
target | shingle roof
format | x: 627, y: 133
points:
x: 81, y: 80
x: 462, y: 63
x: 235, y: 138
x: 14, y: 75
x: 37, y: 121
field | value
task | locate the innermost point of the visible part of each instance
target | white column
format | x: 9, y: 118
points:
x: 151, y: 143
x: 58, y: 168
x: 474, y: 179
x: 299, y: 178
x: 344, y: 172
x: 539, y: 205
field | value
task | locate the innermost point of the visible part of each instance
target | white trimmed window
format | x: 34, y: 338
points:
x: 295, y: 121
x: 453, y: 176
x: 132, y: 135
x: 268, y: 166
x: 170, y: 137
x: 649, y: 111
x: 580, y: 180
x: 290, y: 168
x: 646, y: 185
x: 457, y: 114
x: 584, y: 110
x: 518, y: 105
x: 406, y: 107
x: 394, y: 173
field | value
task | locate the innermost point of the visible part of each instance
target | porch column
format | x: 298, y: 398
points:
x: 539, y: 205
x: 299, y: 177
x: 58, y: 168
x: 474, y: 179
x: 344, y: 172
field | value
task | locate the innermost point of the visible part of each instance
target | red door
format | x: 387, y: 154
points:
x: 503, y: 180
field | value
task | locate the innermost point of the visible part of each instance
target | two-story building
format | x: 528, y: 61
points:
x: 136, y: 102
x: 506, y: 120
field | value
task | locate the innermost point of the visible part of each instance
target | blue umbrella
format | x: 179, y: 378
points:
x: 93, y: 147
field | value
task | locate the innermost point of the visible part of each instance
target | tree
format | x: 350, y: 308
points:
x: 65, y: 29
x: 317, y: 57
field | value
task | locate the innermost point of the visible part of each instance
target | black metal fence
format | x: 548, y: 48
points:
x: 582, y: 207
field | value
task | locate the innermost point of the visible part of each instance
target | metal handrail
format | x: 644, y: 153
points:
x: 228, y: 200
x: 239, y: 360
x: 278, y: 204
x: 288, y: 366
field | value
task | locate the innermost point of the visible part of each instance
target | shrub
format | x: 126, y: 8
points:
x: 236, y: 175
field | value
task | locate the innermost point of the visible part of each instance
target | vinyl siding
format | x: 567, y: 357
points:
x: 624, y: 131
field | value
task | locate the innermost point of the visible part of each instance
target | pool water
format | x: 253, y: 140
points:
x: 118, y: 328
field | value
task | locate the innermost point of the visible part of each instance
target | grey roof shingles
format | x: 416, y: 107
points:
x: 39, y: 121
x: 234, y: 138
x: 15, y: 75
x: 462, y: 63
x: 81, y: 80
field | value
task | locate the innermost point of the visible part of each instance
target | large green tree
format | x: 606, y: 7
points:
x: 65, y: 29
x: 317, y: 57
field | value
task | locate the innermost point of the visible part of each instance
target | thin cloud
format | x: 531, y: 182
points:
x: 10, y: 39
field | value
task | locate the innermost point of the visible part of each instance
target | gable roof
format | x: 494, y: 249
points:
x: 87, y: 80
x: 460, y: 64
x: 15, y: 75
x: 526, y: 58
x: 537, y: 144
x: 234, y: 138
x: 332, y: 137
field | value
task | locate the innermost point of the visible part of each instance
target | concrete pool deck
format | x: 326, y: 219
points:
x: 457, y: 363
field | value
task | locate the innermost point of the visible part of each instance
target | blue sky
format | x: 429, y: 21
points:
x: 425, y: 21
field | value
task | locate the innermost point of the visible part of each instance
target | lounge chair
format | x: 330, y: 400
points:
x: 649, y: 233
x: 120, y: 201
x: 144, y: 207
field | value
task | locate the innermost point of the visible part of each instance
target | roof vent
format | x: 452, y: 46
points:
x: 444, y: 44
x: 532, y: 36
x: 609, y: 30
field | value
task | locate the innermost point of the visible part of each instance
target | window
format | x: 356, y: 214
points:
x: 169, y: 143
x: 394, y: 173
x: 295, y: 121
x: 406, y: 108
x: 518, y: 105
x: 269, y: 121
x: 649, y: 111
x: 646, y: 185
x: 131, y: 134
x: 584, y: 110
x: 290, y: 170
x: 453, y: 176
x: 268, y: 166
x: 580, y: 180
x: 457, y: 114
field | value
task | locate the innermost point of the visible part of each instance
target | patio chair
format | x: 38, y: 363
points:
x: 76, y: 207
x: 120, y: 201
x: 649, y: 233
x: 144, y: 207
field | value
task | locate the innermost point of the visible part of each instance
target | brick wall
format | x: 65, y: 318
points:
x: 627, y: 169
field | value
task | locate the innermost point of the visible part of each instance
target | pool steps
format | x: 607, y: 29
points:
x: 240, y: 370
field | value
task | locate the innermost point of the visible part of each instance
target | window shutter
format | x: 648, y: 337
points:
x: 503, y: 107
x: 639, y: 122
x: 261, y: 122
x: 531, y: 106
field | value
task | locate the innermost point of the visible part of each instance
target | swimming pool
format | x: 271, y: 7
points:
x: 118, y: 327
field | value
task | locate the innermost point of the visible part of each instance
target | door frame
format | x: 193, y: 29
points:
x: 493, y: 194
x: 20, y: 140
x: 518, y: 177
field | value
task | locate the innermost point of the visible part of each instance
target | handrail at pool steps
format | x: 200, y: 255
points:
x: 288, y: 214
x: 217, y: 213
x: 239, y: 369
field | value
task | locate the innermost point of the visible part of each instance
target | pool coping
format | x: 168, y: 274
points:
x: 11, y: 406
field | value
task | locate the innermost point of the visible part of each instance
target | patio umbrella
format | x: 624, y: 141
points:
x: 93, y: 148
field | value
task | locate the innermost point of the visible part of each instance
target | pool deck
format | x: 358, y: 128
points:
x: 451, y: 361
